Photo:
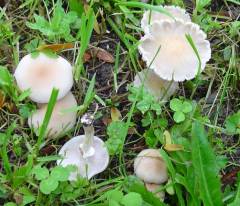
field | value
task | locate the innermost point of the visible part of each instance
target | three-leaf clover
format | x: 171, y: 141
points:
x: 180, y: 108
x: 50, y: 181
x: 116, y: 132
x: 48, y: 185
x: 40, y: 173
x: 116, y: 198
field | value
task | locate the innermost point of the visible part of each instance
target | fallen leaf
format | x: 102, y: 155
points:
x: 11, y: 107
x: 115, y: 114
x: 102, y: 54
x: 132, y: 130
x: 48, y: 150
x: 173, y: 147
x: 56, y: 47
x: 167, y: 137
x: 168, y: 143
x: 2, y: 100
x: 106, y: 120
x: 86, y: 57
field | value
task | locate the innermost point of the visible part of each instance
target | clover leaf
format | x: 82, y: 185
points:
x: 60, y: 173
x: 40, y: 173
x: 232, y: 124
x: 116, y: 132
x: 48, y: 185
x: 180, y: 108
x: 132, y: 199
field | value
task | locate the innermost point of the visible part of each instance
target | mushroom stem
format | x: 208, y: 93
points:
x: 86, y: 147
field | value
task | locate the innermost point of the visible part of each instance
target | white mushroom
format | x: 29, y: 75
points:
x: 155, y: 85
x: 63, y: 116
x: 167, y: 51
x: 150, y: 17
x: 150, y: 167
x: 154, y: 189
x: 87, y: 152
x: 41, y: 74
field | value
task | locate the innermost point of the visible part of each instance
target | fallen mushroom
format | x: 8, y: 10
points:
x: 149, y: 17
x: 155, y: 85
x: 87, y: 152
x: 61, y: 119
x: 151, y: 169
x: 167, y: 51
x: 41, y: 74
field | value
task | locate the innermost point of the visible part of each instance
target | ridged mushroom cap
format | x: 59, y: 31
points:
x: 43, y: 73
x: 150, y: 167
x: 158, y: 87
x: 61, y: 119
x: 167, y: 51
x: 149, y: 17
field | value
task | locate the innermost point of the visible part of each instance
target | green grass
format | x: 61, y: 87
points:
x: 203, y: 118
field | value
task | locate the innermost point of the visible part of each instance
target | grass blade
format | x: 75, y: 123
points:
x: 116, y: 68
x: 205, y: 167
x: 50, y: 107
x: 4, y: 153
x: 146, y: 6
x: 85, y: 33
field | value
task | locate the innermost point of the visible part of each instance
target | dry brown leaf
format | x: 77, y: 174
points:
x: 103, y: 55
x: 2, y: 100
x: 132, y: 130
x: 106, y: 120
x: 11, y: 107
x: 86, y: 57
x: 56, y: 47
x: 115, y: 114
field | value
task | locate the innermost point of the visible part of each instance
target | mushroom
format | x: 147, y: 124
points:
x: 150, y: 17
x: 61, y: 119
x: 151, y: 168
x: 155, y: 85
x: 167, y: 51
x: 87, y: 152
x: 43, y: 73
x: 154, y: 189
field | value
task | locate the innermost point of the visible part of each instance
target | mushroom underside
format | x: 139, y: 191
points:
x: 86, y: 167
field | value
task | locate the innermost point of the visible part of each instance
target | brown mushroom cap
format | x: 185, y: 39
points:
x: 150, y: 167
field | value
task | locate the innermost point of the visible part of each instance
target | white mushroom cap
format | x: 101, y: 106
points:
x: 150, y: 167
x: 154, y: 188
x: 86, y: 167
x: 61, y: 119
x: 155, y: 85
x: 175, y: 11
x: 167, y: 51
x: 42, y: 74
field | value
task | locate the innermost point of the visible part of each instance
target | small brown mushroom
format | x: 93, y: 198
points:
x: 151, y: 168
